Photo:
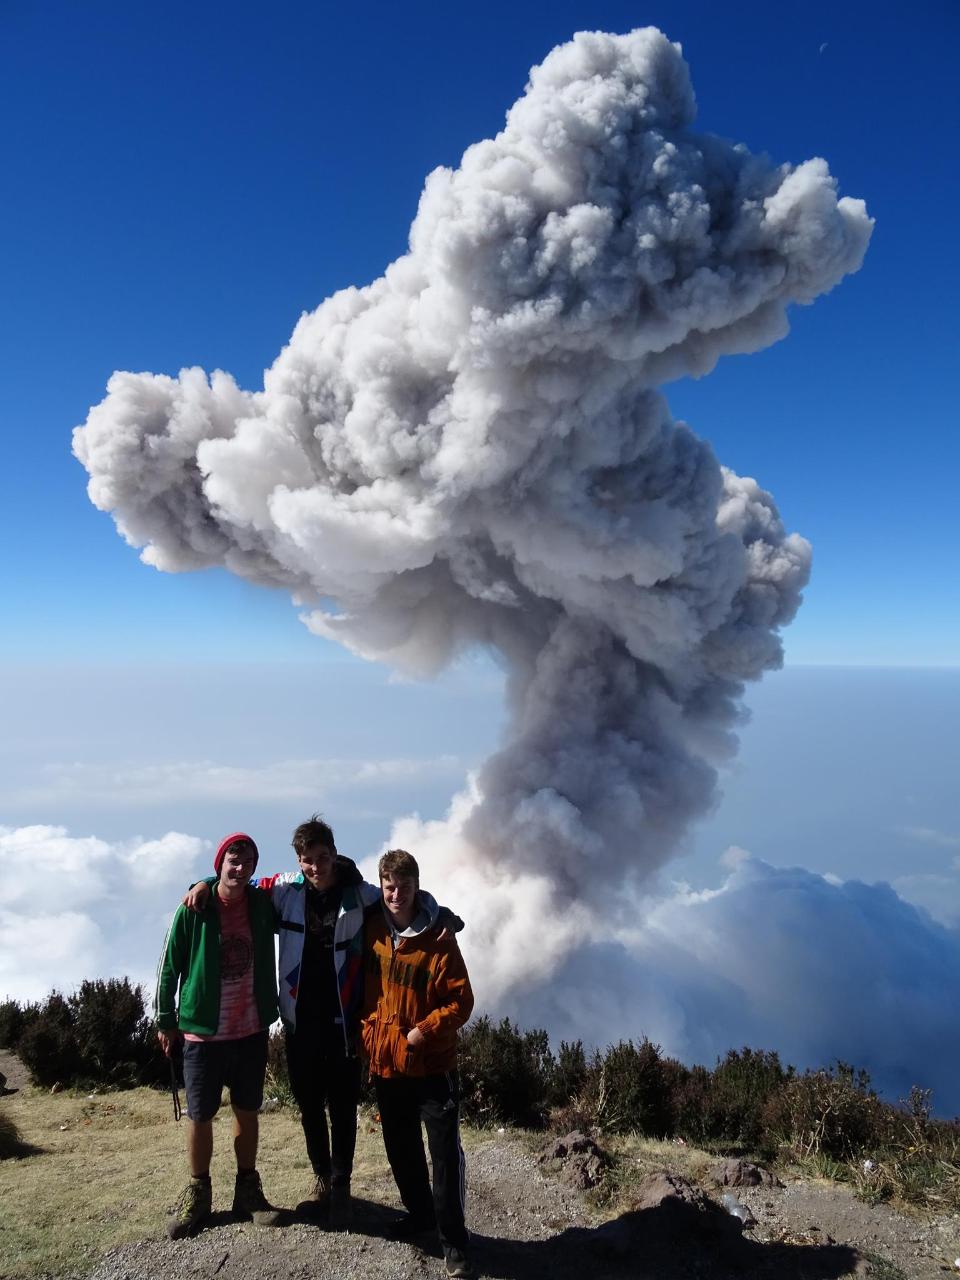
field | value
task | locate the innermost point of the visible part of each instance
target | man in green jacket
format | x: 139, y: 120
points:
x: 220, y: 963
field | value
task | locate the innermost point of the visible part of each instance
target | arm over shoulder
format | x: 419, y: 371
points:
x: 278, y: 880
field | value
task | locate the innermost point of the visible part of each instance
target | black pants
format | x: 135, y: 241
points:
x: 323, y: 1077
x: 405, y: 1101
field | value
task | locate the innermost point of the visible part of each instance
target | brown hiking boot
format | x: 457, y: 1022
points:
x: 316, y: 1204
x: 458, y: 1264
x: 194, y: 1205
x: 250, y: 1202
x: 341, y: 1205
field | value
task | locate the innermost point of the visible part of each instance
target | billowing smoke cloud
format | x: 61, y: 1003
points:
x: 472, y: 451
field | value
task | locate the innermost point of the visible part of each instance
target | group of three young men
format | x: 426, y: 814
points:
x: 356, y: 962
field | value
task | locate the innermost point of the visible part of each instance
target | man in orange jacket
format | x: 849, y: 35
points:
x: 417, y: 996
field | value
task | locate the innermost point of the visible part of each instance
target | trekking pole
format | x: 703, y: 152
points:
x: 175, y: 1054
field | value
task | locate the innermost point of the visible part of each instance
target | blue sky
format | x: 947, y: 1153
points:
x: 184, y: 185
x: 186, y: 180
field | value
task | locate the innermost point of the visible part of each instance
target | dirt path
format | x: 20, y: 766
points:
x: 921, y: 1246
x: 526, y: 1226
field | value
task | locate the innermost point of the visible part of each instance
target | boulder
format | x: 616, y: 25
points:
x: 576, y: 1159
x: 574, y: 1143
x: 663, y: 1188
x: 673, y: 1206
x: 741, y: 1173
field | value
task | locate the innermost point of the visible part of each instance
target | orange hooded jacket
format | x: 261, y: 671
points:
x: 421, y: 983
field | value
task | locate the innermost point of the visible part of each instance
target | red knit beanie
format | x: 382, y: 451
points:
x: 225, y: 844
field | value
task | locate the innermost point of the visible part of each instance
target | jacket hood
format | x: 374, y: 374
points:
x: 348, y: 873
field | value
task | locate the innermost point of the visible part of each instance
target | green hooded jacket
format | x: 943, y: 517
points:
x: 190, y: 961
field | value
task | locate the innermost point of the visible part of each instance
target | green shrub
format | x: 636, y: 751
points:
x: 509, y: 1076
x: 691, y: 1091
x: 628, y: 1089
x: 832, y: 1112
x: 100, y: 1035
x: 569, y: 1074
x: 634, y: 1088
x: 14, y: 1020
x: 742, y: 1084
x: 115, y: 1037
x: 11, y: 1023
x: 48, y: 1047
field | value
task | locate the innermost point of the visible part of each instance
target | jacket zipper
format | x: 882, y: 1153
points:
x: 389, y: 984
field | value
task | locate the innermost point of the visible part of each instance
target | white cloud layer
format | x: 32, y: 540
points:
x: 306, y: 782
x: 76, y: 907
x: 44, y: 951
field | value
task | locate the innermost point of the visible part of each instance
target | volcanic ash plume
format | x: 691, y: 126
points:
x: 472, y: 450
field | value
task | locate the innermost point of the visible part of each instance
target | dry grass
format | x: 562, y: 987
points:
x: 634, y: 1158
x: 644, y: 1155
x: 108, y: 1167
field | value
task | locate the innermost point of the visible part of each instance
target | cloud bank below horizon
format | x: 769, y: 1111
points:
x: 76, y: 907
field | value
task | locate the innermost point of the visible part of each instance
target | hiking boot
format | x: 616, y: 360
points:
x: 250, y: 1202
x: 341, y: 1204
x: 316, y: 1205
x: 458, y: 1264
x: 194, y: 1205
x: 410, y: 1226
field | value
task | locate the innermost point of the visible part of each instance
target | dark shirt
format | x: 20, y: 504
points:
x: 318, y: 999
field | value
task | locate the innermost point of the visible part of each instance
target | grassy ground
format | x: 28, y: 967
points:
x: 107, y: 1168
